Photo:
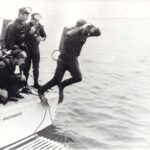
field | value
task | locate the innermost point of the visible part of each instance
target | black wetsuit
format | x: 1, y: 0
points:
x: 8, y: 79
x: 33, y: 52
x: 15, y: 35
x: 68, y: 60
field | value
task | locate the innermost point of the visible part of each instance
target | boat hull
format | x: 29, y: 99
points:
x: 24, y: 118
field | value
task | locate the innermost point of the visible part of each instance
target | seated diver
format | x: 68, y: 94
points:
x: 75, y: 38
x: 10, y: 83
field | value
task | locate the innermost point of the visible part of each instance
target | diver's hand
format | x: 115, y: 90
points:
x: 23, y: 78
x: 39, y: 38
x: 87, y: 26
x: 33, y: 29
x: 93, y: 29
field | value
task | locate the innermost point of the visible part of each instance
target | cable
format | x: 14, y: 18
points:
x: 50, y: 115
x: 47, y: 104
x: 49, y: 109
x: 34, y: 94
x: 50, y: 112
x: 41, y: 121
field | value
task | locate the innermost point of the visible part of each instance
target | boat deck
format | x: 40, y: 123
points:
x: 28, y: 100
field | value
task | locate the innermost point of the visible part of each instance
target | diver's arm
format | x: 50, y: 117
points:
x: 42, y: 36
x: 74, y: 32
x: 22, y: 76
x: 91, y: 29
x: 9, y: 37
x: 42, y: 33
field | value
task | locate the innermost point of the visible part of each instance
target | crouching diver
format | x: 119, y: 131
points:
x: 10, y: 83
x: 68, y: 59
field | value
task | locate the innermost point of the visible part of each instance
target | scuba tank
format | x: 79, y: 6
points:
x: 63, y: 38
x: 61, y: 48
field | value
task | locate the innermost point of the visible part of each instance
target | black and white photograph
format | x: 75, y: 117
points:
x: 74, y: 74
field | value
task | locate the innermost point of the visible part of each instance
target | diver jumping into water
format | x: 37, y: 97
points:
x: 75, y: 38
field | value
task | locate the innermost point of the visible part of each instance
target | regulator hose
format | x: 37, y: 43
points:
x: 54, y: 51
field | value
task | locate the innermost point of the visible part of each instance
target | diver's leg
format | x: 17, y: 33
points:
x: 56, y: 80
x: 26, y: 89
x: 73, y: 68
x: 15, y: 83
x: 36, y: 60
x: 27, y: 63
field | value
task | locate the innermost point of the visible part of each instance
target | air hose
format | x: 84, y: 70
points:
x: 54, y: 51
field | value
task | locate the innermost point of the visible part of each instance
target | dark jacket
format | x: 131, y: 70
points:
x: 75, y: 42
x: 15, y: 35
x: 31, y: 38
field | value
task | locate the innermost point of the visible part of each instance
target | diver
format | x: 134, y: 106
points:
x: 10, y: 82
x: 15, y: 34
x: 34, y: 34
x: 74, y: 39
